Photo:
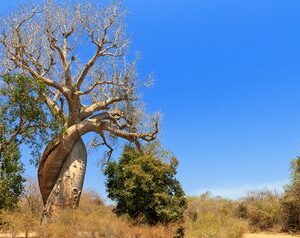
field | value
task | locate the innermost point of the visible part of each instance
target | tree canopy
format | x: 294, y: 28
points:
x: 144, y: 187
x: 23, y: 115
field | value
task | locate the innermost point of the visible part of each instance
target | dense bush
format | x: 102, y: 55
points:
x: 144, y: 187
x: 11, y: 180
x: 211, y: 217
x: 262, y: 210
x: 291, y: 209
x: 291, y: 200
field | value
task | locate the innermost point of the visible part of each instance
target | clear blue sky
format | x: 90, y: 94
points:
x: 227, y: 82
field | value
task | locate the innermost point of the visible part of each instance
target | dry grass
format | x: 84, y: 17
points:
x: 262, y: 210
x: 206, y: 217
x: 91, y: 219
x: 210, y: 217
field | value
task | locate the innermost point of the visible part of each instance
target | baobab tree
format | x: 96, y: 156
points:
x: 76, y: 53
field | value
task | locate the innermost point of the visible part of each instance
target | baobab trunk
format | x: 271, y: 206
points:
x: 61, y: 177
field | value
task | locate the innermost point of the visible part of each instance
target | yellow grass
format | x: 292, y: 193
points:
x: 91, y: 219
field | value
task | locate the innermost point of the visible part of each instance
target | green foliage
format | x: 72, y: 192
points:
x: 291, y: 200
x: 24, y: 118
x: 11, y: 180
x: 145, y: 188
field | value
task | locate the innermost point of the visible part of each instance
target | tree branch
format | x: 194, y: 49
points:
x: 54, y: 108
x: 101, y: 49
x: 88, y: 111
x: 61, y: 52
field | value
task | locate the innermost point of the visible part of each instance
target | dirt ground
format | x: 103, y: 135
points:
x: 259, y: 235
x: 263, y: 235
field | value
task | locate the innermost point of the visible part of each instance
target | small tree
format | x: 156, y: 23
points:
x: 22, y: 119
x: 11, y: 180
x: 145, y: 188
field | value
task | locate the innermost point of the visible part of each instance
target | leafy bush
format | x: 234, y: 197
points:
x: 11, y: 180
x: 211, y: 217
x: 145, y: 188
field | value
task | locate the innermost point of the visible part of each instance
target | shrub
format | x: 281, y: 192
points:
x: 262, y: 210
x: 211, y: 217
x: 291, y: 200
x: 11, y: 180
x: 291, y: 209
x: 145, y: 188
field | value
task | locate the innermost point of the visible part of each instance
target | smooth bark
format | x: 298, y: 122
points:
x: 66, y: 189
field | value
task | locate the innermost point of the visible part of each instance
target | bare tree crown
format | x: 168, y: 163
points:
x: 78, y: 52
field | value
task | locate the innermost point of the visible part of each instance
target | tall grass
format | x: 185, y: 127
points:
x: 91, y: 219
x: 206, y: 217
x: 210, y: 217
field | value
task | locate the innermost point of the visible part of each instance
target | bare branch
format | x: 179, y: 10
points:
x: 108, y: 153
x: 131, y: 136
x: 88, y: 111
x: 103, y: 44
x: 19, y: 54
x: 62, y: 52
x: 45, y: 45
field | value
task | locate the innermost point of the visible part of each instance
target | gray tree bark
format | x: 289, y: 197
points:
x: 67, y: 189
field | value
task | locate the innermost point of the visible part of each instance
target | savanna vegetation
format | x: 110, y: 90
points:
x: 91, y: 219
x: 205, y: 216
x: 51, y: 97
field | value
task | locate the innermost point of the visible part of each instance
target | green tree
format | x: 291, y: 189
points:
x: 23, y: 119
x: 145, y: 187
x: 11, y: 180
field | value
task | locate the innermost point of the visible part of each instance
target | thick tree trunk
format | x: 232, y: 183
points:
x: 61, y: 182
